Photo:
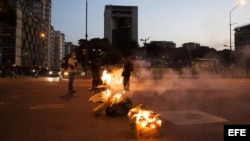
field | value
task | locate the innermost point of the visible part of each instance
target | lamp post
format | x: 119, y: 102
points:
x: 145, y: 44
x: 230, y: 31
x: 230, y: 24
x: 86, y: 38
x: 36, y: 61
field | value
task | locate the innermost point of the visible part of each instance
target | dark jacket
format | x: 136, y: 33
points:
x: 126, y: 69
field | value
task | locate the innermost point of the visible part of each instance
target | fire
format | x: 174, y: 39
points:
x: 109, y: 78
x: 106, y: 77
x: 113, y: 103
x: 112, y: 98
x: 116, y: 98
x: 145, y: 118
x: 106, y: 94
x: 144, y: 122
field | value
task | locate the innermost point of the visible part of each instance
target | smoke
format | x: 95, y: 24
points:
x: 245, y: 53
x: 162, y: 89
x: 160, y: 80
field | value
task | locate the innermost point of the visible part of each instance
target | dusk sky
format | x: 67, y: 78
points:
x: 201, y: 21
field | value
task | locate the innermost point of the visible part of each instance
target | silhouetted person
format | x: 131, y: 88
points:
x: 96, y: 77
x: 127, y: 68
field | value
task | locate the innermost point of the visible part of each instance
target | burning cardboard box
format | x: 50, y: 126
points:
x: 144, y: 123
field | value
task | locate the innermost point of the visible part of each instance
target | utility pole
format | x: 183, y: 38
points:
x: 86, y: 38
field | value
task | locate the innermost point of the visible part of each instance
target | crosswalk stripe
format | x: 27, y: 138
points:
x: 47, y: 106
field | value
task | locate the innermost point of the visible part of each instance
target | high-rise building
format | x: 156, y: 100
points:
x: 51, y: 48
x: 25, y: 32
x: 42, y: 9
x: 242, y: 37
x: 120, y: 22
x: 69, y: 48
x: 59, y: 49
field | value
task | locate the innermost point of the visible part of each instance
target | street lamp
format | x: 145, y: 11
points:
x: 42, y: 35
x: 43, y: 38
x: 86, y: 38
x: 145, y: 44
x: 230, y: 24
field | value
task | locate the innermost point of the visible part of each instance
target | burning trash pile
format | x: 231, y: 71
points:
x: 144, y: 123
x: 114, y: 104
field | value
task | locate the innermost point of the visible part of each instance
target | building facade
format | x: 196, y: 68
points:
x: 51, y: 48
x: 242, y: 37
x: 26, y: 41
x: 120, y: 22
x: 59, y: 49
x: 69, y: 48
x: 242, y: 45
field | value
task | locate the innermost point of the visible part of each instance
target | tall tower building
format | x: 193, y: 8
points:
x: 59, y: 48
x: 42, y: 9
x: 120, y: 22
x: 25, y: 32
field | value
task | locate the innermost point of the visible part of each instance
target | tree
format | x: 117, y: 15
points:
x: 126, y: 46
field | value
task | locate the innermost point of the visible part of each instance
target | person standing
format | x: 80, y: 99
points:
x: 127, y: 68
x: 72, y: 71
x: 95, y: 69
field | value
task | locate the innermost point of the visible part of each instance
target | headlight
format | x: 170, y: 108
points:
x: 50, y: 72
x: 65, y: 73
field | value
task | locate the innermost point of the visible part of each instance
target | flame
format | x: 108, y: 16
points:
x: 144, y: 118
x: 106, y: 94
x: 109, y: 78
x: 112, y: 98
x: 106, y: 77
x: 116, y: 98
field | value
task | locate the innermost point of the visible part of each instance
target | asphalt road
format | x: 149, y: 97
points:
x: 191, y: 109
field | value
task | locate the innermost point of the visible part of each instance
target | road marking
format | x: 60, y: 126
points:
x: 47, y: 106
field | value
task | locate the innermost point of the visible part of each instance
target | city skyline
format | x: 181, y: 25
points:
x: 201, y: 21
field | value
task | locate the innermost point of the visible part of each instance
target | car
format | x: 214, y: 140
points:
x: 53, y: 73
x: 65, y: 73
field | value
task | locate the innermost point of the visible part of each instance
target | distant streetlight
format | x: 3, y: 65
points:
x: 145, y: 43
x: 230, y: 24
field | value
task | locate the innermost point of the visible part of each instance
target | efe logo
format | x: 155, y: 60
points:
x: 237, y: 132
